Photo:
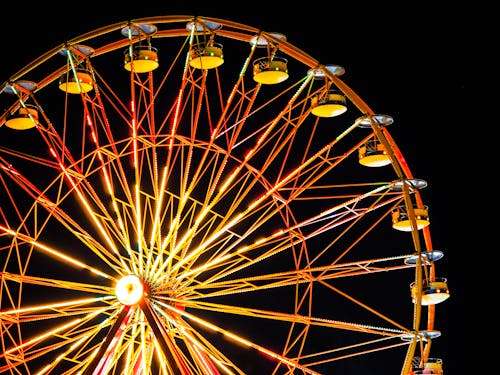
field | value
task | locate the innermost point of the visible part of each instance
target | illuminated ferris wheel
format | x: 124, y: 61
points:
x: 190, y: 195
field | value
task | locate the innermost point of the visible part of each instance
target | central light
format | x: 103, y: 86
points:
x: 129, y: 290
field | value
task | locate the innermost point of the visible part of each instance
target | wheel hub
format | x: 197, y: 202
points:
x: 129, y: 290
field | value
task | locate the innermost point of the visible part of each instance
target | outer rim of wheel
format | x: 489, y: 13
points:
x: 19, y: 85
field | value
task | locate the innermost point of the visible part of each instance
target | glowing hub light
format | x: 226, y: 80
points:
x: 206, y: 56
x: 76, y: 84
x: 24, y: 118
x: 143, y: 59
x: 129, y: 290
x: 267, y: 71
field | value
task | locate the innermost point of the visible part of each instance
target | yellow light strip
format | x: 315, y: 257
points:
x: 54, y: 305
x: 93, y: 217
x: 109, y: 186
x: 55, y: 253
x: 241, y: 340
x: 156, y: 220
x: 200, y: 248
x: 49, y: 333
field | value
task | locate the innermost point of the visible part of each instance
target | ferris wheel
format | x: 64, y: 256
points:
x: 191, y: 195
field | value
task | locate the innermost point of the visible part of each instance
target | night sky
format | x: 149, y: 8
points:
x: 410, y: 64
